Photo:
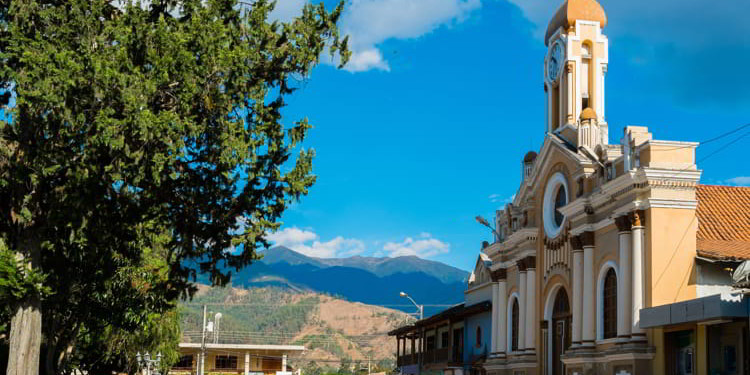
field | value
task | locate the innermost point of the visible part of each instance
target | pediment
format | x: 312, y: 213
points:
x: 556, y: 153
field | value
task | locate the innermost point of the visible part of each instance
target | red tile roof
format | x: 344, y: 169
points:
x: 723, y: 222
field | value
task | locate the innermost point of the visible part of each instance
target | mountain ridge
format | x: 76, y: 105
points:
x: 370, y: 280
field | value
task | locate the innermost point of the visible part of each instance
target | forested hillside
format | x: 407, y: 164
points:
x: 331, y: 329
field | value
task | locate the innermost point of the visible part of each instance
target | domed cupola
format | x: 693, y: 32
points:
x: 572, y: 11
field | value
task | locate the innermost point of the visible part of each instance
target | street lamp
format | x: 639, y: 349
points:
x: 145, y: 361
x: 420, y: 308
x: 484, y: 222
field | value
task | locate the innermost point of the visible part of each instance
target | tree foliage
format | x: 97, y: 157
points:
x: 145, y: 145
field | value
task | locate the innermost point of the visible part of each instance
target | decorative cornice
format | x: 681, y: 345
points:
x: 591, y: 227
x: 689, y: 204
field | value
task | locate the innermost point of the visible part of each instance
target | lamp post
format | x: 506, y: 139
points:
x: 486, y: 223
x: 145, y: 362
x: 420, y: 308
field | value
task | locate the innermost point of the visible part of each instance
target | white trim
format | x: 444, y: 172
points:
x: 600, y: 298
x: 670, y: 174
x: 512, y: 262
x: 194, y: 345
x: 478, y: 287
x: 509, y: 328
x: 608, y: 358
x: 592, y: 227
x: 689, y: 204
x: 607, y: 341
x: 554, y: 183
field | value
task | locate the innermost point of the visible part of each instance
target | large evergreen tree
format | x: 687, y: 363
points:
x: 134, y: 134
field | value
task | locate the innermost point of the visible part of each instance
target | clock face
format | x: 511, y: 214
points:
x: 554, y: 61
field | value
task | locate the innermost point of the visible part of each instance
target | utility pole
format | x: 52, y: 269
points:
x: 369, y: 368
x: 203, y: 343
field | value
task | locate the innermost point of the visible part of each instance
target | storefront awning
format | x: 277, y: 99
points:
x: 716, y: 307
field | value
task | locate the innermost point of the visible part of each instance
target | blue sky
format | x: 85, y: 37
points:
x: 427, y: 126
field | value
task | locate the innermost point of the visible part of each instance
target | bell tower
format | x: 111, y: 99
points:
x: 574, y: 72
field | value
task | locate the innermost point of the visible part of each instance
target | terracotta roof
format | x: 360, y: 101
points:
x: 723, y: 222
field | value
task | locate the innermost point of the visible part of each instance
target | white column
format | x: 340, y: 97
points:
x: 624, y: 295
x: 495, y: 316
x: 502, y: 320
x: 577, y: 297
x: 530, y: 308
x: 521, y: 310
x: 202, y: 356
x: 247, y: 363
x: 638, y: 334
x: 283, y: 363
x: 588, y: 332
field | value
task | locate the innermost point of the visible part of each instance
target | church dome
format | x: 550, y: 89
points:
x: 588, y: 114
x: 573, y: 10
x: 530, y: 156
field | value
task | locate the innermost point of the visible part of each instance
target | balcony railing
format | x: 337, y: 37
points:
x: 439, y: 355
x: 407, y: 360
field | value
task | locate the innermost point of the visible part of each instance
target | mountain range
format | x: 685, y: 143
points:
x: 370, y: 280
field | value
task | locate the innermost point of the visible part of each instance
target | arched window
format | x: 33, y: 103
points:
x: 514, y: 326
x: 479, y: 337
x: 609, y: 305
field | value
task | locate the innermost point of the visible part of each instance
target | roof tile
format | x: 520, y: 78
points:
x: 723, y: 221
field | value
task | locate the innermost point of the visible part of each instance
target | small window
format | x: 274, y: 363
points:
x: 479, y: 337
x: 609, y: 317
x: 561, y: 199
x: 226, y: 362
x: 430, y: 343
x: 444, y: 339
x: 514, y: 326
x: 186, y: 361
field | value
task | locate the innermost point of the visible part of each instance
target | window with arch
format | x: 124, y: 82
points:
x: 586, y: 74
x: 479, y: 337
x: 609, y: 305
x: 514, y: 326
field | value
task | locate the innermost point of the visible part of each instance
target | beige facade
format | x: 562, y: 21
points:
x: 235, y: 359
x: 596, y: 231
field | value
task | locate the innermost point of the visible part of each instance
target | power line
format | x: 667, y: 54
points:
x: 707, y: 141
x: 280, y: 304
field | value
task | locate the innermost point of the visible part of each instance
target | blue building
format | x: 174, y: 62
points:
x: 456, y: 341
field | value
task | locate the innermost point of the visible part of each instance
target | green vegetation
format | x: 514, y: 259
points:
x: 141, y: 145
x: 267, y: 315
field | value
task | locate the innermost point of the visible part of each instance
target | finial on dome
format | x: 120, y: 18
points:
x: 573, y: 10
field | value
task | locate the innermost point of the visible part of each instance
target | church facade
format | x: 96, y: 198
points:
x: 612, y: 258
x: 597, y: 232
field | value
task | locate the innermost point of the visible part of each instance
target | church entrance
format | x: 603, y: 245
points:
x: 560, y: 326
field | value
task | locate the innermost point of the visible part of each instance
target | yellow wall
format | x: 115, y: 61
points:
x: 670, y: 255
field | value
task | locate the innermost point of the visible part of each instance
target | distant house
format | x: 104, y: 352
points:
x: 456, y: 341
x: 235, y: 359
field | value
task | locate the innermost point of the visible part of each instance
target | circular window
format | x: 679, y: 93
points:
x: 555, y: 197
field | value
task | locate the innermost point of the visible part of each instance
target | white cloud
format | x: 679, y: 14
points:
x: 741, y: 180
x: 424, y: 247
x: 371, y: 22
x: 308, y: 243
x: 497, y: 198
